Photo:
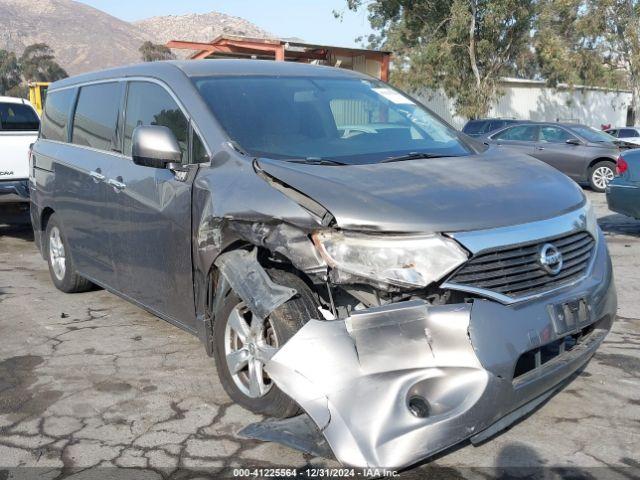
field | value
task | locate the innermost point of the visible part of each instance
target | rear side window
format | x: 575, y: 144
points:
x: 627, y: 133
x: 150, y: 104
x: 95, y: 123
x: 18, y: 117
x: 522, y: 133
x: 56, y: 115
x: 474, y: 127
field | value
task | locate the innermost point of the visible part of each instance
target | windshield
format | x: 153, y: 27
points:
x: 18, y: 117
x: 591, y: 134
x: 311, y: 119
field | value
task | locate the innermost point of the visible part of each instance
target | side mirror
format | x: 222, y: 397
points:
x: 574, y: 141
x: 155, y: 146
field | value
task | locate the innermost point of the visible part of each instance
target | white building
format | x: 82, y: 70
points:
x: 533, y: 100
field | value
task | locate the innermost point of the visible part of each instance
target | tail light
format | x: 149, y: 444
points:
x: 621, y: 166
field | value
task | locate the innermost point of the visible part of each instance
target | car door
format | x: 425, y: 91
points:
x: 519, y: 137
x: 80, y: 188
x: 152, y: 243
x: 552, y: 148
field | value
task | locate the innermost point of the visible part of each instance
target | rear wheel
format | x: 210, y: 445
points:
x: 244, y: 343
x: 600, y: 176
x: 61, y: 268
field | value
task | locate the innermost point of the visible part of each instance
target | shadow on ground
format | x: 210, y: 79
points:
x: 22, y: 231
x: 617, y: 224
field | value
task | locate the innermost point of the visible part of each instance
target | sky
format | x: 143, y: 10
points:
x: 310, y: 20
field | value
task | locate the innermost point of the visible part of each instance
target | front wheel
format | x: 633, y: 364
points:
x: 600, y: 176
x: 244, y: 343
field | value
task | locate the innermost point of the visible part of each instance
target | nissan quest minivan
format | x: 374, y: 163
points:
x: 345, y: 256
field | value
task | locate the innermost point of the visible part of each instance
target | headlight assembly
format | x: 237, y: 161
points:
x: 404, y: 261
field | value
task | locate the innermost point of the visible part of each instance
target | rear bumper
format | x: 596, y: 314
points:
x: 14, y: 191
x: 624, y: 197
x: 462, y: 364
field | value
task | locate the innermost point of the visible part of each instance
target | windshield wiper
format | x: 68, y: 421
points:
x: 414, y: 156
x: 316, y: 161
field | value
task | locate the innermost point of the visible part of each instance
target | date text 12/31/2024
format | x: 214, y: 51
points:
x: 314, y: 473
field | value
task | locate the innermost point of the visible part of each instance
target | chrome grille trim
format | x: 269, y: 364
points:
x: 511, y: 273
x: 476, y: 241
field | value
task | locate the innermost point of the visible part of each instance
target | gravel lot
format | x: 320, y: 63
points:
x: 90, y: 381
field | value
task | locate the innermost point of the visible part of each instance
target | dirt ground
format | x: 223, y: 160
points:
x: 89, y: 382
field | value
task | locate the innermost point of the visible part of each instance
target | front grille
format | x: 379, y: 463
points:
x: 516, y: 271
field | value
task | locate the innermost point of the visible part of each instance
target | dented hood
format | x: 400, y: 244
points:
x: 435, y: 195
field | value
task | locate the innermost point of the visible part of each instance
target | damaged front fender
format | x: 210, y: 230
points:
x: 251, y: 282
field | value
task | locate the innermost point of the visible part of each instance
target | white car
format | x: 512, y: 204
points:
x: 627, y: 134
x: 19, y: 125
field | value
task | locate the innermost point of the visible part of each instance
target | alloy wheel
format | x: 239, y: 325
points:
x: 250, y: 342
x: 57, y: 254
x: 602, y: 176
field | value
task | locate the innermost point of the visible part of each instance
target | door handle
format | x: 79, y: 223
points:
x: 116, y: 184
x: 539, y: 148
x: 97, y: 175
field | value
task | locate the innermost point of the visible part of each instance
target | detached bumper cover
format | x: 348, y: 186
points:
x: 14, y: 191
x: 358, y: 378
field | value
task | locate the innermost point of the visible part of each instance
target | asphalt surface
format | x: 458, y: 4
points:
x: 89, y: 382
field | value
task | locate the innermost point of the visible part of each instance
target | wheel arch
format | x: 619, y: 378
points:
x: 44, y: 217
x: 39, y: 223
x: 596, y: 160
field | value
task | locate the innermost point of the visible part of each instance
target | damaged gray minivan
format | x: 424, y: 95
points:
x: 344, y: 255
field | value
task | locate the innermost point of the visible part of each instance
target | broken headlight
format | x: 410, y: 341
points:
x: 405, y: 261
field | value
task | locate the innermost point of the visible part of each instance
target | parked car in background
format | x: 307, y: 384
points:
x: 484, y: 126
x: 626, y: 134
x: 623, y: 192
x: 263, y: 207
x: 19, y: 124
x: 583, y: 153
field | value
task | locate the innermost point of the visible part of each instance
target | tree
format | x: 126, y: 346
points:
x: 621, y: 22
x: 461, y: 46
x: 570, y: 44
x: 37, y: 64
x: 590, y: 42
x: 9, y: 72
x: 153, y: 52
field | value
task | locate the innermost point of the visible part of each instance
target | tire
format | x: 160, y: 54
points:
x: 284, y: 322
x: 600, y: 175
x: 61, y: 268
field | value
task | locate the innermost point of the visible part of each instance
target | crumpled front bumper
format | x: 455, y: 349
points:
x: 360, y: 378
